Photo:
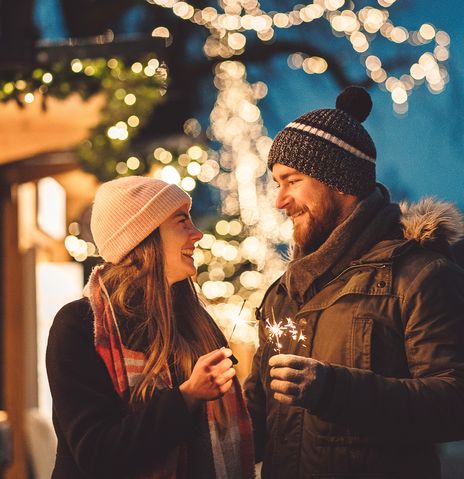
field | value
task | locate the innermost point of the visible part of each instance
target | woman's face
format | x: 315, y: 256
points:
x: 178, y: 236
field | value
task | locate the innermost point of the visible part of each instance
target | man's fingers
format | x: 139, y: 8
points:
x: 281, y: 360
x: 286, y: 374
x: 284, y: 387
x: 291, y: 361
x: 284, y: 399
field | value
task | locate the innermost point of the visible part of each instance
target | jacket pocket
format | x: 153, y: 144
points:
x: 361, y: 343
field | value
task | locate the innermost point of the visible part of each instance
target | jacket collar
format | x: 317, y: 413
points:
x: 370, y: 222
x: 376, y: 232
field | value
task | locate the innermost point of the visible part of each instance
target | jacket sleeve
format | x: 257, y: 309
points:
x: 104, y: 437
x: 428, y: 406
x: 256, y: 398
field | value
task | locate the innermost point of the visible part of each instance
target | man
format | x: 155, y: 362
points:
x: 378, y: 376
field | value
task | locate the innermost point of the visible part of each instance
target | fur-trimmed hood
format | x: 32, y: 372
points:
x: 376, y: 232
x: 430, y: 220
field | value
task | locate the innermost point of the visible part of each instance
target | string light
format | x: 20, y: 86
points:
x: 133, y: 163
x: 227, y: 30
x: 79, y: 249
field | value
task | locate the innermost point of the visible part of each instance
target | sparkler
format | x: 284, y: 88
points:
x: 277, y: 329
x: 238, y: 319
x: 291, y: 328
x: 233, y: 358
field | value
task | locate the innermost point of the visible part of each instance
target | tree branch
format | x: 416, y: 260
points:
x: 260, y: 53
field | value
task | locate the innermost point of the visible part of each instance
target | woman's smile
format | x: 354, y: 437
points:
x: 179, y: 235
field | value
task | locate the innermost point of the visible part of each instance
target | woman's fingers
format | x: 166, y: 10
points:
x: 218, y: 378
x: 227, y: 376
x: 223, y: 366
x: 211, y: 376
x: 225, y: 387
x: 217, y: 355
x: 218, y: 362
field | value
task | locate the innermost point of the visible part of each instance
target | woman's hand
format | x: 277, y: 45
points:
x: 211, y: 378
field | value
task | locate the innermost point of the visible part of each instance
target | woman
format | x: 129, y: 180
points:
x: 142, y: 384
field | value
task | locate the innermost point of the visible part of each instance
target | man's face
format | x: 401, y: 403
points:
x: 315, y: 209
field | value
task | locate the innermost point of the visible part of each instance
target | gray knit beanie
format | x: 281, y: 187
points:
x: 331, y: 145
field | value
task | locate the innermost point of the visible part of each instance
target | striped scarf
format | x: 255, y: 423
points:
x: 232, y: 451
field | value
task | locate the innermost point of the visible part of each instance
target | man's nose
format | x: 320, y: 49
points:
x: 282, y: 199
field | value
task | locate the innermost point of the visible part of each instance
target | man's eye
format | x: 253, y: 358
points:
x: 292, y: 182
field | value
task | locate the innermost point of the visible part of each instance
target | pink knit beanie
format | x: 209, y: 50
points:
x: 126, y: 210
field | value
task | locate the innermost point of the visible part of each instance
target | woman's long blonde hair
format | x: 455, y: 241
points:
x: 175, y: 328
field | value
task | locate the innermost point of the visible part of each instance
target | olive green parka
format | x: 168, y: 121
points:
x: 389, y: 328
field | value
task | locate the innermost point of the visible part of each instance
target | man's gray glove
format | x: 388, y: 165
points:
x: 297, y: 381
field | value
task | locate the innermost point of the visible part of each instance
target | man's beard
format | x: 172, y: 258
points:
x: 313, y: 233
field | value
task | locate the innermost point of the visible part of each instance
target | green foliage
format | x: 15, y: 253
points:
x: 132, y: 92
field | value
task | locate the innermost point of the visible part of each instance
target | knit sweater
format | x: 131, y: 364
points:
x: 98, y: 436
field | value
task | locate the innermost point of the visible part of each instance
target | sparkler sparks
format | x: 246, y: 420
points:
x: 291, y: 328
x: 275, y: 332
x: 277, y: 329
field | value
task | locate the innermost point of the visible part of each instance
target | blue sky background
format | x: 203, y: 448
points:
x: 419, y: 154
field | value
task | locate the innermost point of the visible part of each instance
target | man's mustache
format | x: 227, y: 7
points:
x: 293, y: 211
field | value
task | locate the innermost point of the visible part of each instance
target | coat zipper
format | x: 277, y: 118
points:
x: 355, y: 266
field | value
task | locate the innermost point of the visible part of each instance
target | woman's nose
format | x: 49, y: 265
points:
x: 196, y: 234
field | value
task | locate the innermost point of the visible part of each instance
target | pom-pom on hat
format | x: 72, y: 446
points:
x: 126, y: 210
x: 331, y: 145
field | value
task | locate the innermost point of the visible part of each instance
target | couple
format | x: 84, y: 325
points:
x: 141, y: 378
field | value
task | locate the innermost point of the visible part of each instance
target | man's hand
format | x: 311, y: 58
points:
x: 296, y: 380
